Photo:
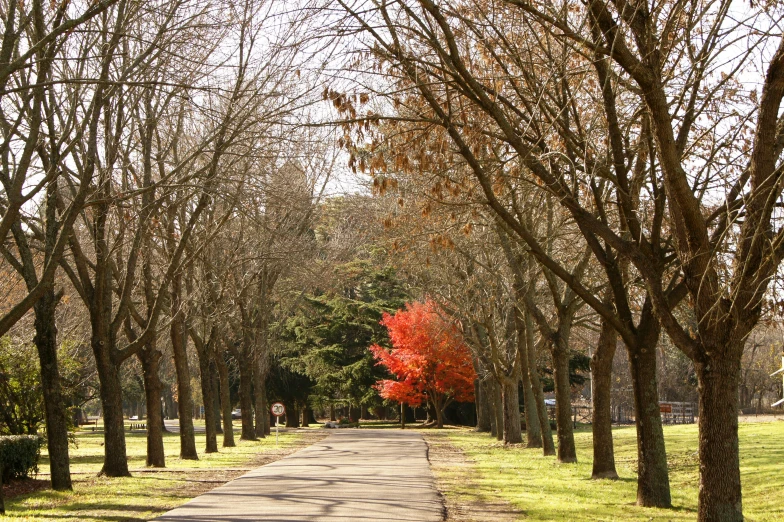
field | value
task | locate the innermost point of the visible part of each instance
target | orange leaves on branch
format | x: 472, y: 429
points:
x: 441, y: 242
x: 429, y: 359
x: 382, y: 183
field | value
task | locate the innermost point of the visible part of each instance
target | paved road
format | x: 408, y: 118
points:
x: 352, y: 475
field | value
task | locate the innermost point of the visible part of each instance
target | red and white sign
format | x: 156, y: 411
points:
x: 278, y: 409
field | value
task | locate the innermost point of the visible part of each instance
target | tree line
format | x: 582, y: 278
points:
x: 621, y: 157
x: 155, y: 178
x: 551, y: 174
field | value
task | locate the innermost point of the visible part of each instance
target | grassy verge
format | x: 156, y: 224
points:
x: 542, y: 489
x: 148, y: 493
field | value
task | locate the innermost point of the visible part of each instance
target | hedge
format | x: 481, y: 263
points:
x: 19, y: 455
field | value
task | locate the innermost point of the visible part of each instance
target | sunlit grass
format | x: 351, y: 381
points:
x: 146, y: 494
x: 542, y: 489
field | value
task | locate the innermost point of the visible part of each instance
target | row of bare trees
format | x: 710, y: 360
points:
x: 650, y: 131
x: 155, y: 168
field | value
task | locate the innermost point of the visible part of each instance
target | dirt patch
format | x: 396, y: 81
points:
x: 454, y: 473
x: 24, y: 486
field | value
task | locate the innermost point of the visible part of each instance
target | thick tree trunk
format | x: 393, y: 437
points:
x: 184, y: 397
x: 533, y: 429
x: 150, y: 359
x: 548, y: 446
x: 490, y: 395
x: 353, y: 413
x: 438, y: 408
x: 498, y: 410
x: 563, y: 404
x: 512, y: 431
x: 225, y: 400
x: 484, y: 412
x: 305, y: 417
x: 208, y: 398
x: 292, y: 417
x: 601, y: 384
x: 216, y: 395
x: 265, y: 404
x: 332, y: 412
x: 260, y: 402
x: 246, y: 401
x: 720, y: 488
x: 54, y: 408
x: 653, y: 483
x: 115, y: 462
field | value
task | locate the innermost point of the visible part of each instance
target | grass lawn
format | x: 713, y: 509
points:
x: 147, y: 493
x: 542, y: 489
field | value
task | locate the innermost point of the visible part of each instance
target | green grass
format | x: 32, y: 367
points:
x: 545, y: 490
x: 146, y: 494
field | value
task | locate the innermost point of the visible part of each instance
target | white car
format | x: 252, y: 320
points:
x: 236, y: 414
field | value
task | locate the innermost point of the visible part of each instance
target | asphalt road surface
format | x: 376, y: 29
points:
x: 352, y: 475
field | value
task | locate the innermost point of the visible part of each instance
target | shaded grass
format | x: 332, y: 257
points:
x: 146, y: 494
x: 542, y: 489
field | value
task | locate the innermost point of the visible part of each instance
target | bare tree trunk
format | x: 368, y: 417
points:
x: 184, y: 399
x: 267, y: 414
x: 150, y: 359
x: 653, y: 483
x: 484, y: 411
x: 601, y: 425
x: 54, y: 408
x: 498, y: 410
x: 332, y: 412
x: 216, y: 404
x: 563, y: 403
x: 533, y: 430
x: 402, y: 415
x: 204, y: 353
x: 225, y: 399
x: 512, y: 432
x: 438, y: 408
x: 292, y: 417
x: 490, y: 396
x: 246, y: 401
x: 548, y: 446
x: 720, y: 488
x: 259, y: 386
x: 208, y: 399
x: 115, y: 462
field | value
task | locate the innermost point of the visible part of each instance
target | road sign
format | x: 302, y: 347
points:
x: 278, y: 409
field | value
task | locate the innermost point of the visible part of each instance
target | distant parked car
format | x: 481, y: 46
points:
x: 135, y: 417
x: 236, y: 414
x: 549, y: 402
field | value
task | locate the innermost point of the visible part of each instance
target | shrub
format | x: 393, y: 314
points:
x: 19, y: 455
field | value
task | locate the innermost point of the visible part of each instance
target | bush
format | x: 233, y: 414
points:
x: 19, y: 455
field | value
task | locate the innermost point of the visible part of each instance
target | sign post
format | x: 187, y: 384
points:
x: 278, y: 410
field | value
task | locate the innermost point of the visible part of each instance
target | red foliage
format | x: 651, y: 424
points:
x: 429, y: 358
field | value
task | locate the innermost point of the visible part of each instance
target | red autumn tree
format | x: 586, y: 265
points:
x: 429, y: 359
